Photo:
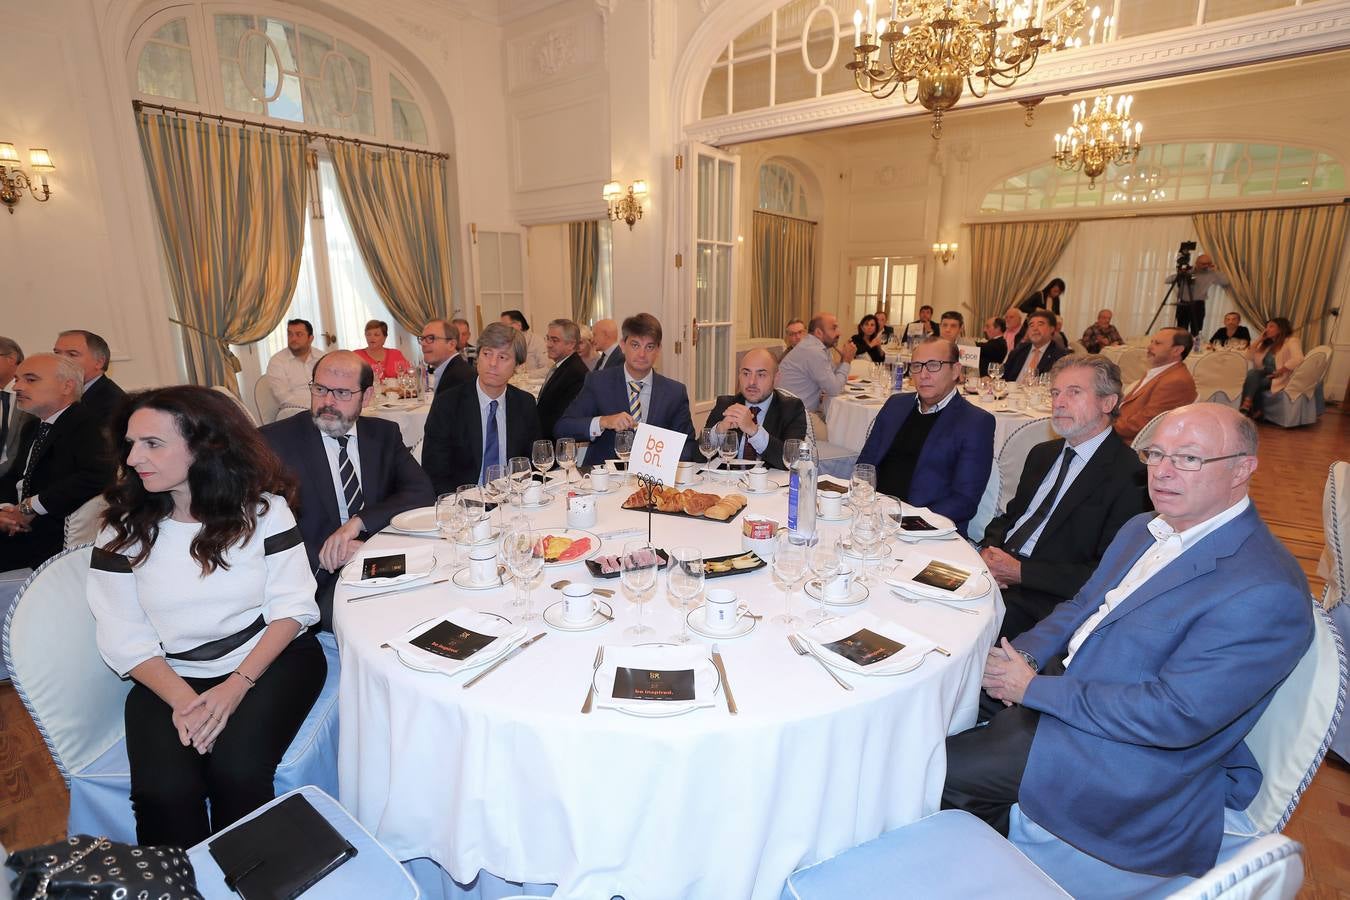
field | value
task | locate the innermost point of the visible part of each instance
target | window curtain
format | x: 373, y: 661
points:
x: 583, y: 243
x: 1281, y: 262
x: 231, y: 206
x: 1009, y: 260
x: 398, y: 209
x: 782, y: 272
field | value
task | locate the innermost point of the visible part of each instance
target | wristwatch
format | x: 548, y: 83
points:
x: 26, y: 507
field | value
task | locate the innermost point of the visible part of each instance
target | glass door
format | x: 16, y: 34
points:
x: 712, y: 272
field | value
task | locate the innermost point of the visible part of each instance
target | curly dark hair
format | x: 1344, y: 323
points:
x: 232, y: 467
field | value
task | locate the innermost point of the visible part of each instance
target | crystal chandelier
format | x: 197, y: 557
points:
x: 931, y: 49
x: 1099, y: 137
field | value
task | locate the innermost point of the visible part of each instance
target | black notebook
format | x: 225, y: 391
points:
x: 281, y: 853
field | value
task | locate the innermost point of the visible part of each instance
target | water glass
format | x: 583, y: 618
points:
x: 638, y: 576
x: 496, y: 487
x: 789, y: 567
x: 863, y: 485
x: 825, y: 565
x: 996, y: 371
x: 565, y: 452
x: 518, y: 470
x: 731, y: 442
x: 684, y: 582
x: 525, y: 560
x: 542, y: 457
x: 623, y: 445
x: 709, y: 441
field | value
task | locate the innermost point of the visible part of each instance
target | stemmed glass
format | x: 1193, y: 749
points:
x: 623, y: 447
x: 684, y: 582
x: 863, y: 485
x: 518, y: 470
x: 496, y: 488
x: 542, y: 457
x: 731, y: 442
x: 825, y: 565
x: 996, y: 371
x: 866, y: 535
x: 709, y: 442
x: 472, y: 502
x: 525, y: 560
x: 565, y: 452
x: 638, y: 576
x: 789, y: 567
x: 449, y: 521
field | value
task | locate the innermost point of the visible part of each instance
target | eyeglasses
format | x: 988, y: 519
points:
x: 932, y: 365
x: 1184, y: 462
x: 340, y: 394
x: 431, y: 339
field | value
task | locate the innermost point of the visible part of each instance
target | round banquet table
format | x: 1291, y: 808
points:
x: 409, y: 415
x: 850, y: 417
x: 511, y: 779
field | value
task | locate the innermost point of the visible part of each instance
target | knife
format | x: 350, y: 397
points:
x: 722, y: 674
x: 516, y: 652
x: 397, y: 590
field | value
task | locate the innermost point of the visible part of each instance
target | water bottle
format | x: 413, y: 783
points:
x: 802, y: 495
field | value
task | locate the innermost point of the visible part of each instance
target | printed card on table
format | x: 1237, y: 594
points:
x: 970, y: 356
x: 865, y: 647
x: 450, y: 640
x: 656, y: 452
x: 653, y: 684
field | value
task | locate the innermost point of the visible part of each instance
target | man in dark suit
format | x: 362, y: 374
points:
x: 354, y: 472
x: 606, y: 340
x: 617, y: 399
x: 484, y: 422
x: 1038, y: 353
x: 564, y: 380
x: 995, y: 346
x: 924, y: 325
x: 765, y: 417
x: 11, y: 417
x: 60, y: 465
x: 1074, y: 495
x: 91, y: 353
x: 932, y: 448
x: 440, y: 351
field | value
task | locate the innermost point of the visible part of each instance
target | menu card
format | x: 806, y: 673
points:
x: 390, y: 566
x: 865, y: 647
x: 914, y: 523
x: 653, y: 684
x: 450, y: 640
x: 942, y: 575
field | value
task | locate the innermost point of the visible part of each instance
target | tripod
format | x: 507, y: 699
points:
x: 1184, y: 288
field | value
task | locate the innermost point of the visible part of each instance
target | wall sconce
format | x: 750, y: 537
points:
x: 625, y: 206
x: 945, y: 251
x: 13, y: 180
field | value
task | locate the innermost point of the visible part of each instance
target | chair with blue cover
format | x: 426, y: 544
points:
x: 1297, y: 404
x: 831, y: 459
x: 372, y: 872
x: 931, y: 857
x: 77, y: 702
x: 1334, y: 568
x: 1219, y: 376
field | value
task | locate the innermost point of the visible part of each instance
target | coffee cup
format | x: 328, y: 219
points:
x: 685, y: 473
x: 578, y: 603
x: 600, y: 478
x: 482, y: 529
x: 830, y: 505
x: 721, y: 611
x: 758, y: 478
x: 483, y: 563
x: 837, y: 587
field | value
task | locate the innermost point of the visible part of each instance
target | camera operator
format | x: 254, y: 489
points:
x: 1194, y: 287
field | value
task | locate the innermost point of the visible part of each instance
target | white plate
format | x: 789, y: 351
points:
x: 405, y: 578
x: 706, y: 683
x: 836, y: 663
x: 575, y: 534
x: 553, y: 615
x: 774, y: 487
x: 833, y: 629
x: 461, y: 580
x: 977, y: 587
x: 473, y: 662
x: 738, y: 468
x: 857, y: 593
x: 698, y: 625
x: 416, y: 521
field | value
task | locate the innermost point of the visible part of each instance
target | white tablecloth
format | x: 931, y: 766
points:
x: 849, y: 418
x: 510, y: 778
x: 409, y: 415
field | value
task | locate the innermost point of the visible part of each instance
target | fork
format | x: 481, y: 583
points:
x: 916, y: 600
x: 590, y: 691
x: 802, y: 650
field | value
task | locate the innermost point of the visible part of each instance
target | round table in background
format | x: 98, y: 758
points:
x: 850, y: 417
x: 409, y: 415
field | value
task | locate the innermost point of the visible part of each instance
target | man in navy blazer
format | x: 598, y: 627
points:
x: 932, y: 448
x: 1127, y: 707
x: 617, y: 399
x: 564, y: 380
x: 313, y: 447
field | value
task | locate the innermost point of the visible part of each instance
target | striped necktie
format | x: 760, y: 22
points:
x: 749, y: 452
x: 635, y: 399
x: 351, y: 485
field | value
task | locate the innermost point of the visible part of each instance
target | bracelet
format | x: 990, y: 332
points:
x: 251, y: 682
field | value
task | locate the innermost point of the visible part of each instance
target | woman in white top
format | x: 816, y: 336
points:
x: 1270, y: 361
x: 202, y: 593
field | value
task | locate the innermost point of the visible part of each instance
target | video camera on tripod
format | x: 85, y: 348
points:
x: 1184, y: 256
x: 1183, y: 285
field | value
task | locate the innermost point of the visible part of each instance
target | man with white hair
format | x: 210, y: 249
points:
x: 59, y: 466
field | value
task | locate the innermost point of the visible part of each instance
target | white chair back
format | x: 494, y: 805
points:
x: 1114, y: 352
x: 1076, y: 346
x: 1269, y: 867
x: 74, y: 698
x: 1133, y: 364
x: 1334, y: 566
x: 252, y: 416
x: 1308, y: 374
x: 1293, y: 734
x: 83, y: 524
x: 265, y: 400
x: 1012, y: 456
x: 1219, y: 376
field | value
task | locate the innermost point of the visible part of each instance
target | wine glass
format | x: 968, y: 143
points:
x: 684, y: 582
x: 789, y: 567
x: 449, y: 521
x: 825, y: 565
x: 996, y: 371
x: 638, y: 576
x: 518, y: 470
x: 472, y: 502
x: 623, y: 446
x: 525, y: 560
x: 731, y: 442
x: 792, y: 451
x: 565, y: 452
x: 863, y: 485
x: 542, y: 457
x: 867, y: 533
x: 709, y: 441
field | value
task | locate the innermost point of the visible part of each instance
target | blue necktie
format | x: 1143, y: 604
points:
x: 492, y: 450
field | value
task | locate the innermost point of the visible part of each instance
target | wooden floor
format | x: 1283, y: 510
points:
x: 1287, y: 489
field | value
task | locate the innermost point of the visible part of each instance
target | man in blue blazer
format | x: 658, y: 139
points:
x: 932, y: 448
x: 619, y: 398
x: 1128, y: 705
x: 314, y: 447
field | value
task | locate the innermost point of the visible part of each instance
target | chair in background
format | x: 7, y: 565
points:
x: 10, y: 582
x: 1006, y: 472
x: 1334, y: 568
x: 76, y: 701
x: 1133, y: 364
x: 1219, y: 376
x: 1077, y: 346
x: 831, y: 459
x: 372, y: 872
x: 1114, y: 352
x: 1298, y: 404
x: 252, y: 416
x: 265, y: 400
x: 83, y: 524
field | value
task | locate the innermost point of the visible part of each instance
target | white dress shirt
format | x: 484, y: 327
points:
x: 483, y: 401
x: 289, y: 377
x: 644, y: 397
x: 936, y: 407
x: 1081, y: 454
x: 1169, y: 544
x: 331, y: 448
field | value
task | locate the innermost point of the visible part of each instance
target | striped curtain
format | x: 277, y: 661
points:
x: 782, y: 272
x: 399, y: 212
x: 1009, y: 260
x: 1281, y: 262
x: 231, y: 205
x: 583, y: 244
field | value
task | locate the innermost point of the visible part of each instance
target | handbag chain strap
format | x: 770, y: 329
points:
x: 100, y: 843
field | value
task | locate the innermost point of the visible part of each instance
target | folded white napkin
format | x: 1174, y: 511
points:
x: 902, y: 577
x: 669, y: 659
x: 916, y: 645
x: 506, y: 636
x: 421, y: 560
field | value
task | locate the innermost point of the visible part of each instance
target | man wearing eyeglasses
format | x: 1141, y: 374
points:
x: 440, y: 351
x: 932, y: 448
x: 355, y: 474
x: 1140, y: 691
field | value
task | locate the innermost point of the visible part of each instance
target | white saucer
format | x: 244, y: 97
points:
x: 548, y: 498
x: 830, y: 520
x: 461, y: 580
x: 776, y: 487
x: 885, y: 551
x: 857, y: 593
x: 614, y: 486
x: 698, y: 625
x: 554, y: 617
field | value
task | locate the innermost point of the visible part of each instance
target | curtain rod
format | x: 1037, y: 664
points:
x: 139, y: 105
x: 765, y: 212
x: 1158, y: 213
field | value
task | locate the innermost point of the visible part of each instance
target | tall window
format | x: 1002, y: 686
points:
x: 782, y: 191
x: 885, y: 282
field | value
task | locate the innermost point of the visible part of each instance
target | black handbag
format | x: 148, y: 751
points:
x: 88, y: 868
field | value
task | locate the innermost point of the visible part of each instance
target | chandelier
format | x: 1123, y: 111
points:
x: 1099, y: 137
x: 930, y: 50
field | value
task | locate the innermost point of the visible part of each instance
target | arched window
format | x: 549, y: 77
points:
x: 782, y: 191
x: 1190, y: 172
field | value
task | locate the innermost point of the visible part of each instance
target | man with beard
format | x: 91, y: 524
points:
x: 355, y: 473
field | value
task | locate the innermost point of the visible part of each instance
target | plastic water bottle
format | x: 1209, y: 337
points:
x: 802, y: 495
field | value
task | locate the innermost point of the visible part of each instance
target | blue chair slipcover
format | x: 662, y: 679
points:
x: 10, y: 582
x: 77, y: 702
x: 1334, y: 567
x: 373, y: 872
x: 1299, y: 403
